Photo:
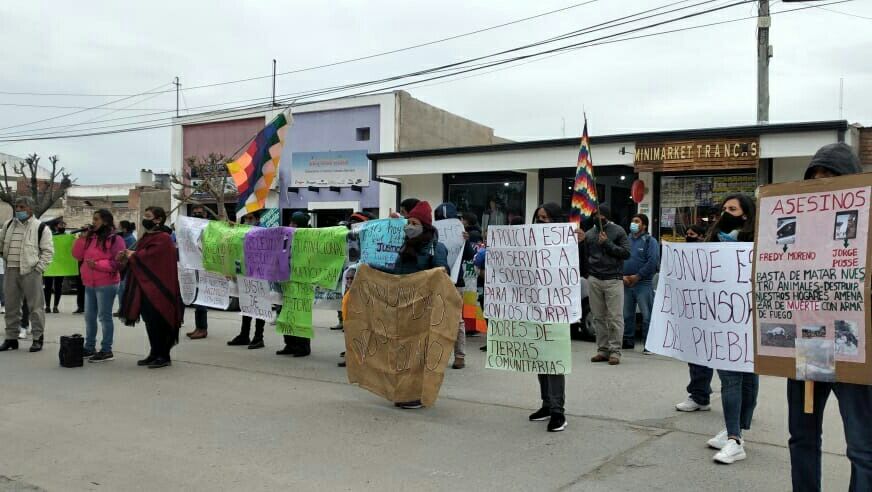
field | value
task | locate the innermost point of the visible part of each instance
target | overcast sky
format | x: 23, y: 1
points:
x: 692, y: 79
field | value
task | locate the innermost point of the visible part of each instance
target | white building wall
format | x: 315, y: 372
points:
x: 423, y: 187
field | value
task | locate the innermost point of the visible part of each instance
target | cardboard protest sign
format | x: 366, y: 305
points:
x: 254, y: 298
x: 223, y: 248
x: 451, y: 235
x: 703, y: 305
x: 188, y: 285
x: 188, y: 232
x: 62, y: 263
x: 811, y: 286
x: 532, y: 274
x: 295, y: 318
x: 400, y: 333
x: 268, y: 253
x: 380, y: 241
x: 318, y: 256
x: 213, y: 290
x: 523, y: 346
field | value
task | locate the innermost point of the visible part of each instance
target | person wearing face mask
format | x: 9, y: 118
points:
x: 420, y: 251
x: 201, y: 314
x: 244, y: 331
x: 738, y: 389
x: 297, y: 346
x: 54, y: 284
x: 97, y: 248
x: 27, y: 251
x: 152, y: 291
x: 639, y: 273
x: 694, y: 234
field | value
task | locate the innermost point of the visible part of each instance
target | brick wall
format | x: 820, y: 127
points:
x: 866, y: 146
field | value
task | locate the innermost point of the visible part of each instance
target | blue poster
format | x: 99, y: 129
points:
x: 380, y: 242
x: 322, y: 169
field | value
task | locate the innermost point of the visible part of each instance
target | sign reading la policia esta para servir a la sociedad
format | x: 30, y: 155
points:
x: 811, y: 289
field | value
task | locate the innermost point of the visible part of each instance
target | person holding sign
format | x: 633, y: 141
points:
x: 608, y: 248
x: 97, y: 248
x: 449, y: 211
x: 54, y: 284
x: 259, y: 324
x: 297, y: 346
x: 855, y: 400
x: 201, y: 313
x: 738, y: 389
x: 152, y: 291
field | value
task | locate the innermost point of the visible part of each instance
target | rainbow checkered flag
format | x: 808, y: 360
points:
x: 255, y: 171
x: 584, y: 202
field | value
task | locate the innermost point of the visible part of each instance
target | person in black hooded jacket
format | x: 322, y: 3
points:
x: 444, y: 211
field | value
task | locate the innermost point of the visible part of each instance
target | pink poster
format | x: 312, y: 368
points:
x: 810, y: 276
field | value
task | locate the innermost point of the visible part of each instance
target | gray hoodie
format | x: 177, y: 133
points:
x: 838, y: 158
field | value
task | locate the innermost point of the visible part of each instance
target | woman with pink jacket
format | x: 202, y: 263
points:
x: 96, y: 249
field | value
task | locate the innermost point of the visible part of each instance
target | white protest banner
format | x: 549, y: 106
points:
x: 188, y: 285
x: 532, y: 274
x: 451, y: 235
x: 188, y: 231
x: 703, y: 305
x: 254, y: 298
x: 213, y: 290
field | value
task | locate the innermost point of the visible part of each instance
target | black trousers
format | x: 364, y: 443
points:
x: 553, y: 390
x: 201, y: 318
x: 161, y: 336
x: 293, y: 341
x: 259, y: 324
x: 53, y: 284
x: 80, y: 293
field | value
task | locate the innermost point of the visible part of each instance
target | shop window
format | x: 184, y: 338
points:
x: 494, y: 203
x: 688, y: 200
x: 362, y: 134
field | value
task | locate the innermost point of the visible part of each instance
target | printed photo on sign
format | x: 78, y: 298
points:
x: 815, y: 360
x: 786, y: 230
x: 814, y: 331
x: 846, y: 225
x: 778, y: 334
x: 846, y: 338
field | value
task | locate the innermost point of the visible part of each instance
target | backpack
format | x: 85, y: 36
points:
x: 41, y: 228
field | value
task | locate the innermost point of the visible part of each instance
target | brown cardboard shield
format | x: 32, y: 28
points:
x: 400, y: 332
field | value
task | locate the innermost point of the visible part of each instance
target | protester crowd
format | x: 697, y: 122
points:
x: 619, y: 267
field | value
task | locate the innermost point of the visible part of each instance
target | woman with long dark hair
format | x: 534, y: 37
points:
x: 552, y: 387
x: 738, y: 389
x: 97, y: 248
x: 152, y: 291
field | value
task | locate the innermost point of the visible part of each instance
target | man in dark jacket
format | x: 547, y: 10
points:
x: 855, y: 400
x: 607, y: 248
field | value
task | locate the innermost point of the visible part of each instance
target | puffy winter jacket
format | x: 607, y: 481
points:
x: 105, y: 270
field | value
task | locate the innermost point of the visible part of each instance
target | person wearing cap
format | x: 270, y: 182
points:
x: 855, y: 400
x: 444, y: 211
x: 297, y: 346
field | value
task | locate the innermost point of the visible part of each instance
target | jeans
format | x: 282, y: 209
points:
x: 606, y: 306
x: 201, y: 320
x: 20, y: 289
x: 98, y: 304
x: 641, y: 294
x: 739, y: 397
x: 553, y: 390
x: 700, y: 387
x: 855, y: 405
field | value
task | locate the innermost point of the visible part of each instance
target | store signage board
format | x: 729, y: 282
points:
x: 695, y: 155
x: 322, y: 169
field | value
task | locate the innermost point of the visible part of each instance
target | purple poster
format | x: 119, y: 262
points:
x: 268, y: 253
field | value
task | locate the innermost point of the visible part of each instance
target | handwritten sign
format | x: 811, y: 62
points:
x: 188, y: 285
x: 223, y: 248
x: 532, y: 274
x: 400, y: 333
x: 213, y: 290
x: 328, y: 299
x: 811, y: 287
x: 188, y: 232
x: 522, y: 346
x: 380, y: 241
x: 270, y: 217
x: 268, y: 253
x: 319, y: 255
x: 703, y: 305
x: 62, y: 263
x: 295, y: 318
x: 451, y: 235
x: 254, y: 298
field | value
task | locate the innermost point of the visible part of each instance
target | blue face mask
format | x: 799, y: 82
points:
x: 634, y: 228
x: 22, y: 216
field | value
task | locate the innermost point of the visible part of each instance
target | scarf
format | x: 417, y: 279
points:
x: 152, y: 274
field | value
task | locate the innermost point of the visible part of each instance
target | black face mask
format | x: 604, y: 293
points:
x: 729, y: 222
x: 62, y: 230
x: 147, y: 224
x: 691, y: 239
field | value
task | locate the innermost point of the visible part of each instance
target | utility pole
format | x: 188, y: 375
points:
x: 274, y: 83
x: 178, y: 85
x: 764, y: 53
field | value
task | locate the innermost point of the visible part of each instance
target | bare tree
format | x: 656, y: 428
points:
x: 44, y: 192
x: 212, y: 182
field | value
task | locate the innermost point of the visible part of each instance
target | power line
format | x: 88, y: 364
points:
x: 844, y: 13
x: 51, y: 106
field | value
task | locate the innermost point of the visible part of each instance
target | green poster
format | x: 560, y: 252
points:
x: 63, y: 264
x: 223, y: 248
x: 526, y: 346
x: 295, y: 319
x: 318, y: 255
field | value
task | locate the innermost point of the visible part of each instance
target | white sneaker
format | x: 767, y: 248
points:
x: 689, y: 405
x: 731, y: 453
x: 719, y: 441
x: 2, y: 309
x: 22, y: 333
